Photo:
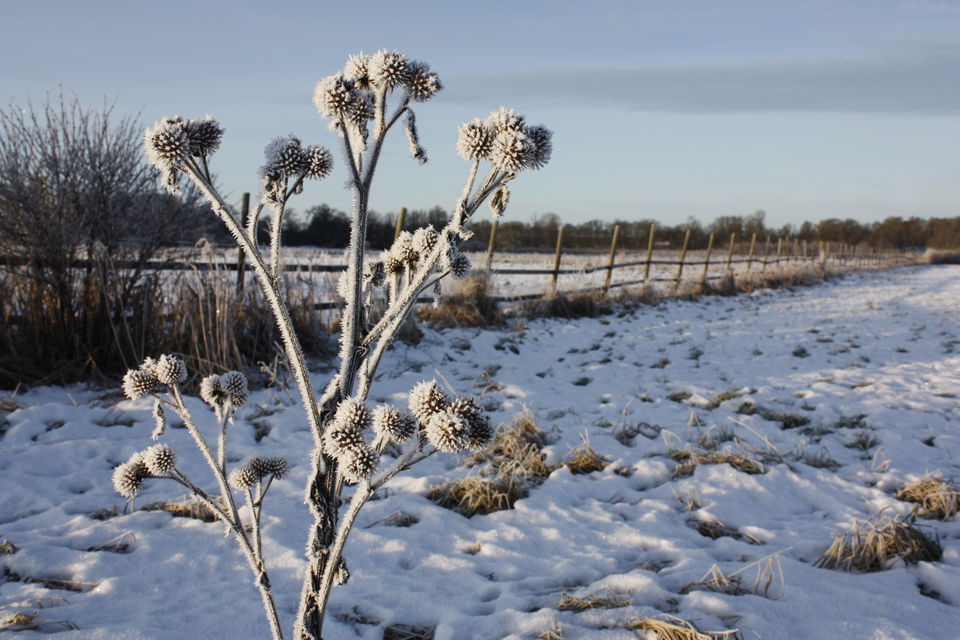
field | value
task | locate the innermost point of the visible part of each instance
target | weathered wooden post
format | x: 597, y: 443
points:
x: 779, y: 251
x: 683, y: 257
x: 766, y: 253
x: 753, y: 244
x: 401, y: 218
x: 492, y: 243
x: 646, y: 269
x: 613, y: 253
x: 556, y: 261
x: 706, y: 262
x: 733, y: 238
x: 241, y: 256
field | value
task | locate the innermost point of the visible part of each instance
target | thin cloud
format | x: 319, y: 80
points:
x: 921, y: 82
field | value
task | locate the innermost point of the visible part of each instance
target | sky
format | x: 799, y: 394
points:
x: 663, y: 109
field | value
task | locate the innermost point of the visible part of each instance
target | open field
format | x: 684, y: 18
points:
x: 735, y: 438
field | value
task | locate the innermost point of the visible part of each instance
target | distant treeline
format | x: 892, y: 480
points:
x: 323, y: 226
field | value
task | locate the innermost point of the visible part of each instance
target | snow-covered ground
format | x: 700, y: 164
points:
x: 870, y: 359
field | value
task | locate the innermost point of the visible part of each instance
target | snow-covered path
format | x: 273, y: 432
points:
x: 870, y: 364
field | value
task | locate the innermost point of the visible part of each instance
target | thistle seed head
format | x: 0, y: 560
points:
x: 425, y: 239
x: 235, y: 387
x: 340, y: 439
x: 353, y: 412
x: 319, y: 162
x: 475, y: 140
x: 504, y: 119
x: 138, y: 383
x: 541, y: 140
x: 391, y: 263
x: 244, y: 477
x: 211, y: 391
x: 359, y: 464
x: 128, y: 477
x: 388, y: 68
x: 285, y: 157
x: 426, y: 399
x: 170, y: 370
x: 357, y: 70
x: 167, y: 143
x: 448, y: 431
x: 390, y: 423
x: 277, y: 467
x: 499, y: 201
x: 458, y: 263
x: 259, y: 466
x: 204, y: 135
x: 335, y: 96
x: 422, y: 83
x: 403, y: 249
x: 159, y: 459
x: 511, y: 150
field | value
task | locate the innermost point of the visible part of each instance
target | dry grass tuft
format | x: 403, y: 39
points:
x: 583, y: 459
x: 183, y: 509
x: 21, y: 621
x: 876, y: 544
x: 606, y: 599
x: 124, y: 543
x: 475, y: 495
x: 768, y: 582
x: 939, y: 499
x: 589, y: 304
x: 553, y: 632
x: 408, y: 632
x: 516, y: 450
x: 7, y: 548
x: 690, y: 460
x: 469, y: 303
x: 674, y: 628
x: 940, y: 256
x: 396, y: 519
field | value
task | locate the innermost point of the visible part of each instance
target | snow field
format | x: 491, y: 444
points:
x: 870, y: 362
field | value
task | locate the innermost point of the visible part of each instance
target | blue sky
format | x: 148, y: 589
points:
x: 665, y: 110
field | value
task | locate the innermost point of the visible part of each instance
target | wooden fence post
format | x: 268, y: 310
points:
x: 613, y: 253
x: 706, y: 263
x: 753, y: 243
x: 683, y: 256
x: 492, y: 243
x: 556, y: 261
x: 796, y: 249
x: 241, y: 257
x: 401, y: 218
x: 646, y: 269
x: 766, y: 253
x: 779, y: 251
x: 733, y: 237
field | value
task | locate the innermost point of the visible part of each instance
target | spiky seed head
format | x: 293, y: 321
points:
x: 359, y: 464
x: 170, y: 370
x: 276, y: 466
x: 541, y: 141
x: 335, y: 96
x: 448, y: 431
x: 167, y: 143
x: 128, y: 477
x: 426, y: 399
x: 474, y: 140
x: 422, y: 83
x: 138, y: 383
x: 481, y: 432
x: 319, y: 162
x: 159, y: 459
x: 204, y: 134
x: 425, y: 239
x: 403, y: 249
x: 388, y: 68
x: 504, y: 119
x: 340, y: 439
x: 361, y: 109
x: 353, y: 412
x: 499, y: 201
x: 511, y: 150
x: 459, y: 263
x: 465, y: 406
x: 235, y: 387
x: 284, y: 157
x: 244, y: 477
x: 211, y: 391
x: 375, y: 274
x: 159, y: 420
x: 391, y: 423
x: 391, y: 263
x: 259, y: 466
x: 357, y: 70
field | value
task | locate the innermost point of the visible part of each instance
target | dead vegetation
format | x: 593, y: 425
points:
x: 667, y: 627
x: 183, y: 509
x: 689, y: 460
x: 606, y: 599
x: 475, y: 495
x: 715, y: 529
x: 877, y: 544
x: 469, y: 303
x: 582, y: 459
x: 408, y: 632
x: 937, y: 498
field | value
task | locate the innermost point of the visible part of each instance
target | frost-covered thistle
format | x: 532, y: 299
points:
x: 159, y: 459
x: 363, y: 102
x: 128, y: 477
